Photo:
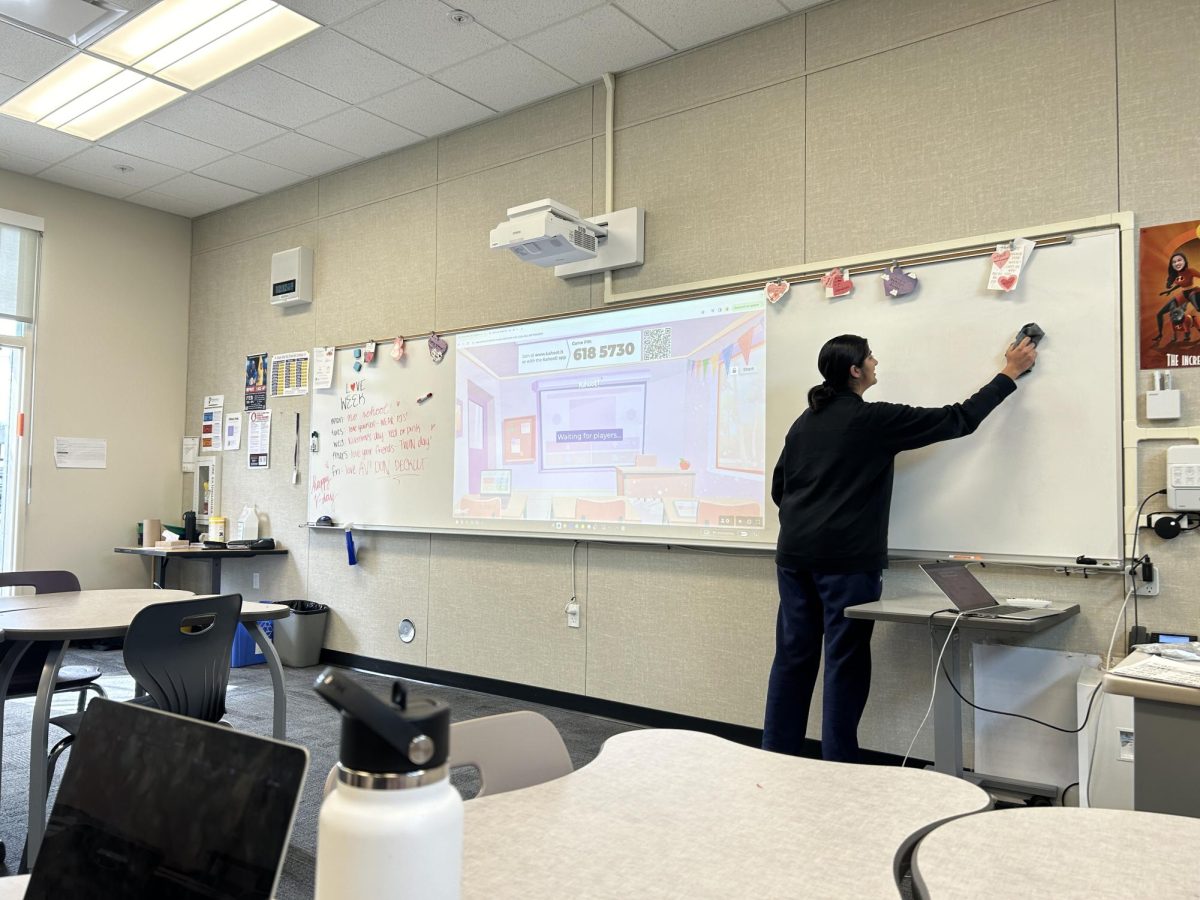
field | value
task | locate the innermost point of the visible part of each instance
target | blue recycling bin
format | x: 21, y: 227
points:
x: 245, y: 651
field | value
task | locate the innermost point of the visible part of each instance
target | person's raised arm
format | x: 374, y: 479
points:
x: 1020, y: 359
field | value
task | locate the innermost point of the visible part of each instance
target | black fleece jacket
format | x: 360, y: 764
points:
x: 833, y: 482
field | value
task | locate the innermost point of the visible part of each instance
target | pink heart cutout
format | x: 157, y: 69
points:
x: 1000, y: 257
x: 776, y: 289
x: 838, y: 284
x: 1008, y: 282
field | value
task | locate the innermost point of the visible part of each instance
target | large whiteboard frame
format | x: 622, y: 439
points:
x: 1107, y: 484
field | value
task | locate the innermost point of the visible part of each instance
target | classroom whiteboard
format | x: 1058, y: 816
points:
x: 500, y: 447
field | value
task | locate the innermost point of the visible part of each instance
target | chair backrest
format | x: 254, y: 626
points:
x: 511, y: 750
x: 178, y: 652
x: 28, y: 672
x: 600, y: 510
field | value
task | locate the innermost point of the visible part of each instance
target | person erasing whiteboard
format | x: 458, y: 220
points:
x: 833, y: 487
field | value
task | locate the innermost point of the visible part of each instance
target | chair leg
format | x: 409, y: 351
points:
x: 100, y: 692
x: 52, y: 762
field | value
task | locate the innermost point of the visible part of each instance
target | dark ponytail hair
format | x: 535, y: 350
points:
x: 834, y: 362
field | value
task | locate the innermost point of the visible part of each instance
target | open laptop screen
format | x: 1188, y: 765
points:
x: 956, y: 582
x: 158, y: 805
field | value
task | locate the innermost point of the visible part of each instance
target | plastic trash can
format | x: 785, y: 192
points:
x: 245, y: 650
x: 299, y: 637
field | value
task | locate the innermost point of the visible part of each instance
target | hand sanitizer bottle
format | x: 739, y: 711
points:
x: 393, y: 825
x: 247, y: 529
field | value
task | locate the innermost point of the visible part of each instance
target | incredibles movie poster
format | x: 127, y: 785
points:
x: 1169, y: 288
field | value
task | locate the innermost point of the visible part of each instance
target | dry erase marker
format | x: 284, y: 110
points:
x: 426, y: 397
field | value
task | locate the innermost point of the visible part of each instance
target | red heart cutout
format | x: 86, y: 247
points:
x: 1008, y: 282
x: 776, y: 289
x: 837, y: 283
x: 1000, y: 257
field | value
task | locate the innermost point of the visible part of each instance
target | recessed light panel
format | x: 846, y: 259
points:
x: 76, y: 76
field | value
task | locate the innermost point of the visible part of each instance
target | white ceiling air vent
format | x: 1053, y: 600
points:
x: 73, y: 21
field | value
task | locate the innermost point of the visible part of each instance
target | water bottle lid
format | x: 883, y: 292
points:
x: 420, y: 741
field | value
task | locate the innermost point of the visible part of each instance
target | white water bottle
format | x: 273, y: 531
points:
x: 393, y: 825
x: 247, y: 529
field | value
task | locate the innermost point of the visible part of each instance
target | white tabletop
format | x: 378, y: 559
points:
x: 80, y: 615
x: 663, y: 813
x: 1144, y: 689
x: 1058, y: 852
x: 13, y: 887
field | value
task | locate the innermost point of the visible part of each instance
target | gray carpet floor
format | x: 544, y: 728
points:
x: 311, y: 723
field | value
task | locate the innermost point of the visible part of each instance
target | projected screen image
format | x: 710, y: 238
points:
x: 646, y: 421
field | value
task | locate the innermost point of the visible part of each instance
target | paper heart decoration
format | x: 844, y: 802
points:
x: 1000, y: 257
x: 775, y: 290
x: 897, y: 282
x: 1008, y: 282
x: 837, y: 284
x: 437, y: 348
x: 398, y: 349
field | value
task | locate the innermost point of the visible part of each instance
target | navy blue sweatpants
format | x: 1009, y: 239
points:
x: 811, y: 607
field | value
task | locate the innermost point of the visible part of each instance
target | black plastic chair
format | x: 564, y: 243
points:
x: 28, y: 671
x: 178, y: 653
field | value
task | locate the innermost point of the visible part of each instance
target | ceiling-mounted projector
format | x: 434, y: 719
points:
x: 547, y: 233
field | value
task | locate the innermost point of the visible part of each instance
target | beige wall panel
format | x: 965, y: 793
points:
x: 367, y: 601
x: 1158, y: 93
x: 282, y: 209
x: 1004, y: 124
x: 112, y: 320
x: 739, y: 64
x: 852, y: 29
x: 497, y: 610
x: 553, y: 123
x: 375, y: 270
x: 478, y: 286
x: 722, y: 185
x: 406, y: 170
x: 685, y: 632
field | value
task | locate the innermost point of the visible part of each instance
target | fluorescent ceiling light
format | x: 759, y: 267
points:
x: 257, y: 38
x: 76, y: 76
x: 185, y: 42
x: 210, y: 31
x: 133, y: 103
x: 157, y: 27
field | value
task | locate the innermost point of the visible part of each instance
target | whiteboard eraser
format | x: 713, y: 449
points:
x: 1162, y: 404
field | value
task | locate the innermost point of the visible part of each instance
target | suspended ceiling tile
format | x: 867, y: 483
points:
x: 603, y: 40
x: 686, y: 23
x: 797, y: 5
x: 167, y: 147
x: 103, y: 162
x: 419, y: 34
x: 97, y: 184
x: 428, y: 108
x: 205, y: 120
x: 360, y: 132
x: 302, y: 154
x: 187, y: 208
x: 251, y: 174
x: 26, y: 55
x: 516, y: 18
x: 18, y: 162
x: 40, y: 143
x: 9, y: 86
x: 198, y: 189
x: 331, y: 62
x: 268, y: 95
x: 327, y: 12
x: 505, y: 78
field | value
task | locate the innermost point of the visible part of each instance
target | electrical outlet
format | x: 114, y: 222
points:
x: 254, y: 581
x: 1147, y: 588
x: 572, y: 615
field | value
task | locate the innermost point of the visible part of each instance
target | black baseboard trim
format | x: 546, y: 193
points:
x: 592, y: 706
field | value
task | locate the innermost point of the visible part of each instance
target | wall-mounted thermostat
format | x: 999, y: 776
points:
x: 291, y: 276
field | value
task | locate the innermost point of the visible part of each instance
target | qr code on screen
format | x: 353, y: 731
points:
x: 656, y: 343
